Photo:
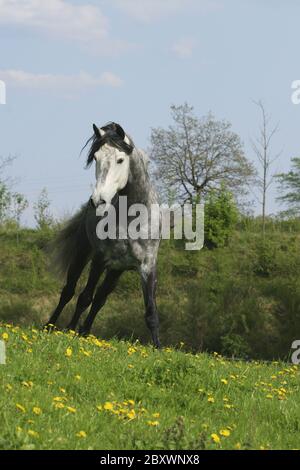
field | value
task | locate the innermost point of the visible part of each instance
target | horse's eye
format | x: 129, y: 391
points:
x: 120, y: 160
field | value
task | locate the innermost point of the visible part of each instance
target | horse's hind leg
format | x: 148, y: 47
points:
x: 86, y: 296
x: 68, y: 291
x: 149, y: 281
x: 103, y: 291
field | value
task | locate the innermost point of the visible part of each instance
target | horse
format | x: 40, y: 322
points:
x: 121, y: 170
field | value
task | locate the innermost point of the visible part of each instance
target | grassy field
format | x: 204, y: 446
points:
x: 59, y: 391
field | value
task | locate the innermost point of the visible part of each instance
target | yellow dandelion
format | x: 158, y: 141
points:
x: 225, y: 432
x: 269, y: 396
x: 20, y: 408
x: 215, y: 438
x: 131, y: 402
x: 211, y: 400
x: 81, y: 434
x: 68, y: 352
x: 156, y: 415
x: 108, y: 406
x: 37, y: 410
x: 71, y: 409
x: 5, y: 336
x: 59, y: 406
x: 77, y: 377
x: 152, y: 423
x: 8, y: 387
x: 224, y: 381
x: 131, y: 414
x: 32, y: 433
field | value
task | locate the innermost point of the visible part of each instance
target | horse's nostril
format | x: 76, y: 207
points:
x: 101, y: 202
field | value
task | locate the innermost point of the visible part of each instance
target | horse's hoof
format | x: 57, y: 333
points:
x: 83, y: 332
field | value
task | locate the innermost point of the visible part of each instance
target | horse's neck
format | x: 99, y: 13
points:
x: 139, y: 186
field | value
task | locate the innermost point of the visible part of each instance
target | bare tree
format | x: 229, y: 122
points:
x: 196, y: 155
x: 262, y: 148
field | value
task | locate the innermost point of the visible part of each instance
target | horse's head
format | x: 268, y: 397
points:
x: 111, y: 149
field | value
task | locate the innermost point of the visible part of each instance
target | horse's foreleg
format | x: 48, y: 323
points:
x: 101, y: 295
x: 149, y: 281
x: 86, y: 296
x: 68, y: 291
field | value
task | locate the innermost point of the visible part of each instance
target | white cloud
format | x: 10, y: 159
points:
x: 148, y: 10
x: 61, y: 83
x: 61, y: 18
x: 184, y: 48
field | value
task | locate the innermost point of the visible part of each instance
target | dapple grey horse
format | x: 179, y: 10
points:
x: 121, y: 170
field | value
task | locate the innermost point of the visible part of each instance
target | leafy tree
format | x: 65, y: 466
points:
x: 195, y: 155
x: 289, y: 186
x: 42, y: 214
x: 220, y: 218
x: 5, y: 201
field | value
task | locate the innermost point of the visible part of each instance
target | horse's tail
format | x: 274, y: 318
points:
x: 71, y: 238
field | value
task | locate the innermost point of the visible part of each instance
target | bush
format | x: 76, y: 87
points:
x: 220, y: 218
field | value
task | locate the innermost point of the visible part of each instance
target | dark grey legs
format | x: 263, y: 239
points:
x: 68, y: 291
x: 103, y: 291
x: 149, y: 281
x: 86, y: 296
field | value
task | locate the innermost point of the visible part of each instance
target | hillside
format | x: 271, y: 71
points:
x: 63, y: 392
x: 242, y: 300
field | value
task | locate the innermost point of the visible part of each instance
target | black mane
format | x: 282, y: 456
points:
x: 114, y: 136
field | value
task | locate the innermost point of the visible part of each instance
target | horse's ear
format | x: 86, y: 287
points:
x: 98, y: 132
x: 127, y: 140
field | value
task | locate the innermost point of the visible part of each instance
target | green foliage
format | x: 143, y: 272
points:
x: 42, y: 214
x: 289, y: 185
x: 220, y: 218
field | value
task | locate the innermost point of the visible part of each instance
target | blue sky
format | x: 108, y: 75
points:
x: 67, y: 64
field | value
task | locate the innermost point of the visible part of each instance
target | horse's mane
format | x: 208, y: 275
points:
x: 114, y: 135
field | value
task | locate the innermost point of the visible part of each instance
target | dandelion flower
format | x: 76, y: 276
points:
x: 36, y: 410
x: 32, y: 433
x: 68, y: 352
x: 215, y: 438
x: 152, y: 423
x: 108, y: 406
x: 211, y: 400
x: 81, y: 434
x: 224, y: 381
x: 5, y: 336
x: 225, y: 432
x: 131, y: 414
x: 71, y: 409
x: 20, y: 408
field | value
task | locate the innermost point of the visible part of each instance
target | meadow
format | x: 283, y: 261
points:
x: 59, y: 391
x: 223, y: 379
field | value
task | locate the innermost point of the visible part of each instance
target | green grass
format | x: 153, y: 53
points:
x: 155, y: 399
